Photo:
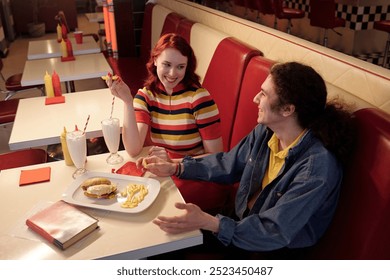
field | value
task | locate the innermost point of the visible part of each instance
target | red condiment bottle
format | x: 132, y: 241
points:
x: 56, y: 84
x: 69, y: 48
x: 64, y: 31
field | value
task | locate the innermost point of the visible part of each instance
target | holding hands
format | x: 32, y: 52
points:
x: 157, y: 165
x: 159, y: 152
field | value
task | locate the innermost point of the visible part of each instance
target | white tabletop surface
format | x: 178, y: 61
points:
x: 86, y: 66
x: 120, y: 236
x: 51, y: 48
x: 37, y: 124
x: 95, y: 17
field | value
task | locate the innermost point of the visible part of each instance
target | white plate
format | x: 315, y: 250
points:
x: 75, y: 195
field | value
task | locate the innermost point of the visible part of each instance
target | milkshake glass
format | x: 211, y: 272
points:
x: 112, y: 133
x: 77, y: 146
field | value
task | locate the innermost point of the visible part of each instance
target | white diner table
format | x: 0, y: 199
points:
x: 51, y: 48
x: 37, y: 124
x: 120, y: 235
x: 86, y: 66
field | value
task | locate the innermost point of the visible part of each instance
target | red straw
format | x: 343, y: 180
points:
x: 85, y: 127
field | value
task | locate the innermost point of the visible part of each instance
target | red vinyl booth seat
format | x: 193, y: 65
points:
x: 246, y: 115
x: 8, y: 110
x: 184, y: 29
x: 171, y: 23
x: 22, y: 158
x: 223, y: 80
x: 361, y: 226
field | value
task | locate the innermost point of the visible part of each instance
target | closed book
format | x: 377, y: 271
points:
x: 62, y: 224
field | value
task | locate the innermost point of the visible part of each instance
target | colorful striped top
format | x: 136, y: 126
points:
x: 180, y: 121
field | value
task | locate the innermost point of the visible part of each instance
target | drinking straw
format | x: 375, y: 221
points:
x: 112, y: 106
x: 86, y: 123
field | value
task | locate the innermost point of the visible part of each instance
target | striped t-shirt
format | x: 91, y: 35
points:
x: 180, y: 121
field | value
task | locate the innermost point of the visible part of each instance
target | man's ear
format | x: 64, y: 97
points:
x: 288, y: 110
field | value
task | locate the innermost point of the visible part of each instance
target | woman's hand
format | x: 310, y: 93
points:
x: 120, y: 89
x: 193, y: 218
x: 157, y: 166
x: 159, y: 152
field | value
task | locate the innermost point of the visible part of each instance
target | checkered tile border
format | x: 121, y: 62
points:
x: 363, y: 17
x: 357, y: 17
x: 299, y: 4
x: 374, y: 58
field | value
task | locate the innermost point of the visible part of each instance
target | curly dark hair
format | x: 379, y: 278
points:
x: 175, y: 41
x: 331, y: 121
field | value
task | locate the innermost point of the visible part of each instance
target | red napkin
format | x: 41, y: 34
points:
x: 54, y: 100
x: 129, y: 168
x: 33, y: 176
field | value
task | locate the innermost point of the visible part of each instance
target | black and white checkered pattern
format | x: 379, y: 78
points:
x: 374, y: 58
x: 299, y: 4
x: 363, y: 17
x: 357, y: 17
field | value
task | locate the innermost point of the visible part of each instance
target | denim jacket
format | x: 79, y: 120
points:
x: 293, y: 211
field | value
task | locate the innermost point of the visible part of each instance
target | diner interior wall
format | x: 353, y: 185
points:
x: 357, y: 39
x: 14, y: 63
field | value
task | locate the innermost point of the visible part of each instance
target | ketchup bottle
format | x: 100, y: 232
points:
x: 56, y: 84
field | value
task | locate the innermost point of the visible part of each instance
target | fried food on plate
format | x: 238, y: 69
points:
x: 98, y: 187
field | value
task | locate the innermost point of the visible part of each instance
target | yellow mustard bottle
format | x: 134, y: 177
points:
x: 59, y: 33
x: 64, y: 50
x: 48, y: 85
x: 65, y: 151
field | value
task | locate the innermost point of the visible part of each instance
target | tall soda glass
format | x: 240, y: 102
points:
x: 77, y: 146
x: 111, y: 134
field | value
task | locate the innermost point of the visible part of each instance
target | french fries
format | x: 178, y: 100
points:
x: 144, y: 163
x: 135, y: 194
x: 106, y: 77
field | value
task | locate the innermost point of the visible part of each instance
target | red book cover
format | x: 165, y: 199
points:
x: 62, y: 224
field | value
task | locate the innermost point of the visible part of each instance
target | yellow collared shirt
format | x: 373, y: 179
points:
x: 277, y: 158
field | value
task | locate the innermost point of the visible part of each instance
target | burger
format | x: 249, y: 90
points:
x: 99, y: 188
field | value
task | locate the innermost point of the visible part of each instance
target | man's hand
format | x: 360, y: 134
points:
x: 157, y: 166
x: 192, y: 219
x: 159, y: 152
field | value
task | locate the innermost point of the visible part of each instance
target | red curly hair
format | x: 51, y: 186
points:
x: 175, y: 41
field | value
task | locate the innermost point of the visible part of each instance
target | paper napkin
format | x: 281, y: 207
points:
x: 33, y: 176
x: 129, y: 168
